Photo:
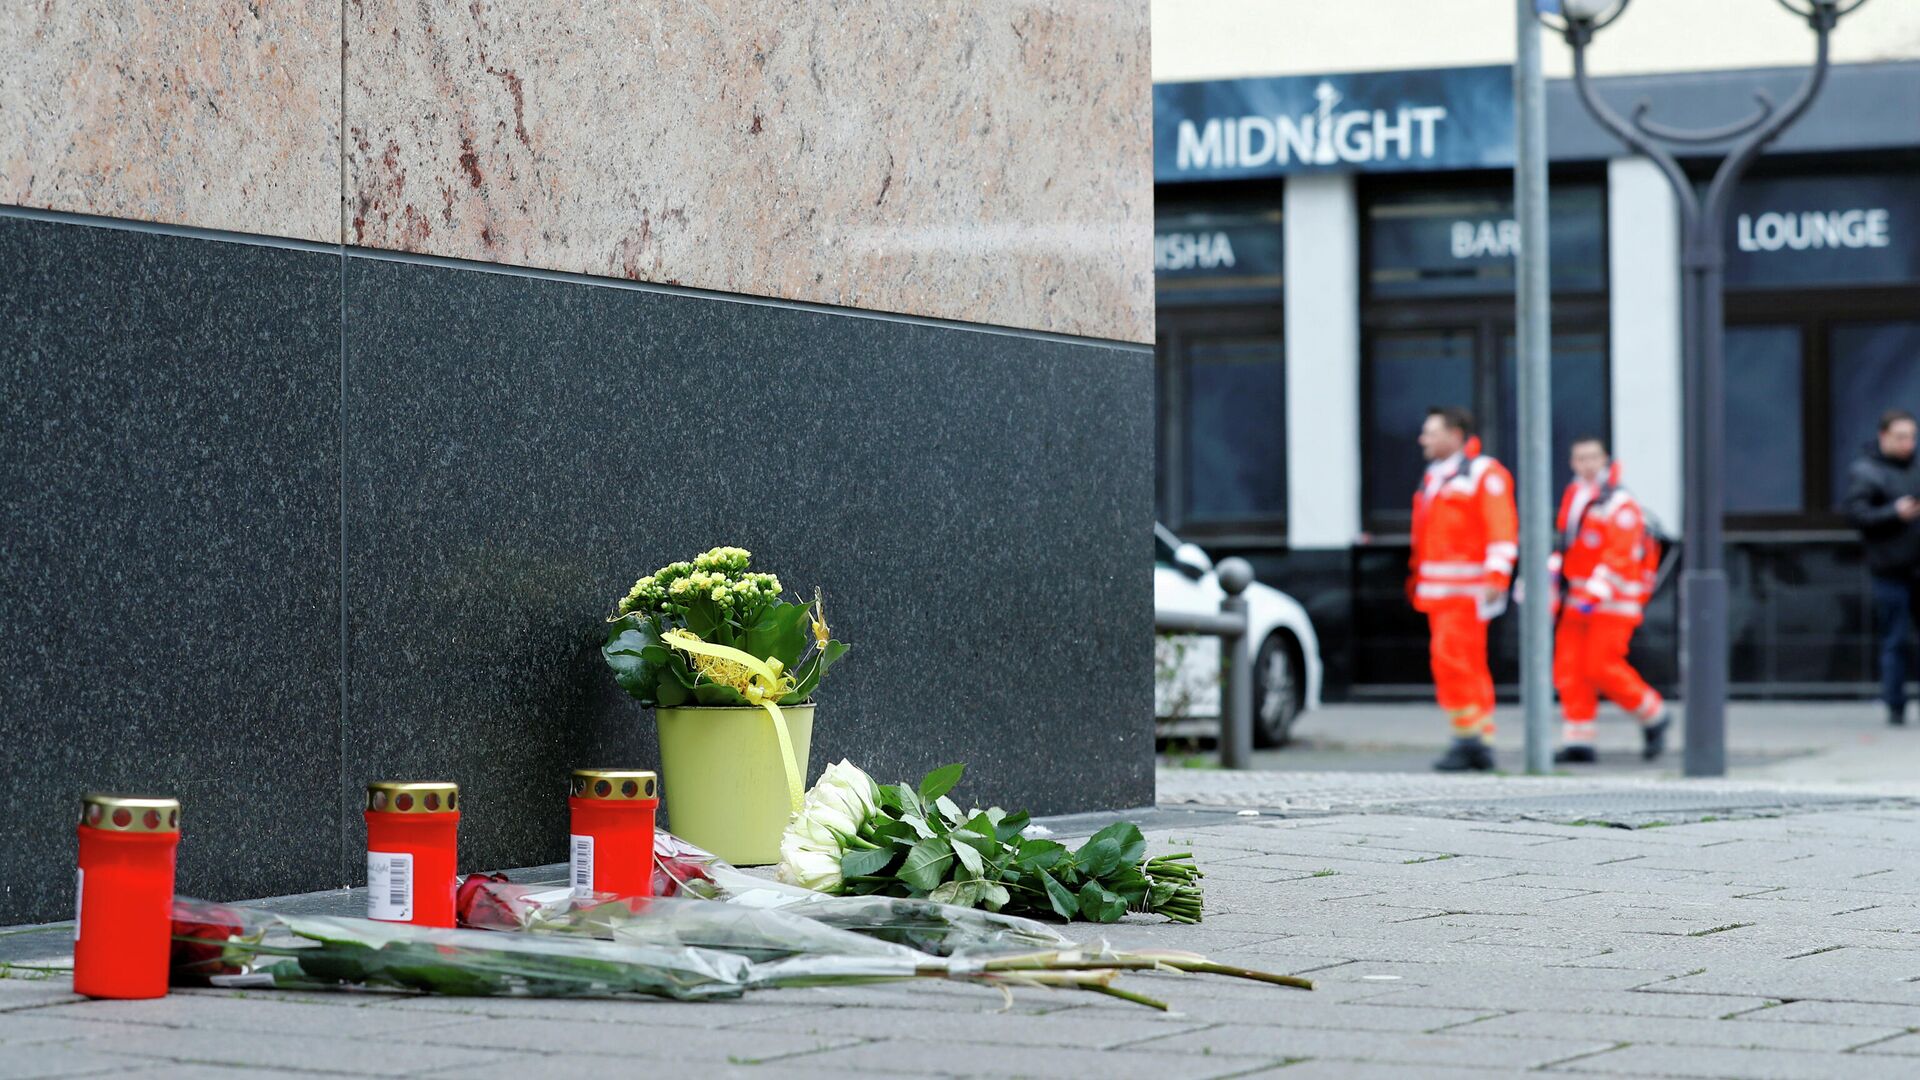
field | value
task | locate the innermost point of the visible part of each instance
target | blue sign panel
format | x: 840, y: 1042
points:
x: 1825, y: 230
x: 1453, y: 242
x: 1213, y: 256
x: 1386, y: 121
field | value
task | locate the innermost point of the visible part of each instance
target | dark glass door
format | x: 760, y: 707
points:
x: 1408, y: 373
x: 1580, y: 397
x: 1475, y: 365
x: 1223, y: 427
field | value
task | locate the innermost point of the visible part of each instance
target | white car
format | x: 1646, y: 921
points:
x: 1286, y: 668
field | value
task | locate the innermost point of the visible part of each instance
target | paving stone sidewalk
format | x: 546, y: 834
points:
x: 1443, y: 947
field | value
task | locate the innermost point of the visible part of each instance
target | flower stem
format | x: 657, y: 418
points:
x: 1128, y: 995
x: 1208, y: 967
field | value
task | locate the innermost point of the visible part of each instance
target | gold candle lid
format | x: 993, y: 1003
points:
x: 413, y: 797
x: 130, y: 813
x: 614, y: 784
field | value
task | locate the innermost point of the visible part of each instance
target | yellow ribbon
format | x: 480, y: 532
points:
x: 762, y: 686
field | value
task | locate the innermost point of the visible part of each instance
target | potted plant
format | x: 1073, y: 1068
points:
x: 730, y: 667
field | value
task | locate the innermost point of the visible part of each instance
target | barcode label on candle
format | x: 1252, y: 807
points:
x: 583, y: 865
x: 390, y: 886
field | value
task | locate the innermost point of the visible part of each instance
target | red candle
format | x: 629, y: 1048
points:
x: 612, y: 841
x: 123, y: 915
x: 413, y: 837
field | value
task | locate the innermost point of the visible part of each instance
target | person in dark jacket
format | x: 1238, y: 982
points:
x: 1883, y: 502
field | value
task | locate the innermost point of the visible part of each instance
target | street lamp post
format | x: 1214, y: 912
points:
x: 1703, y: 578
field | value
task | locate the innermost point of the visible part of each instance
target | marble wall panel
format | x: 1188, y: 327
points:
x: 205, y: 113
x: 987, y: 161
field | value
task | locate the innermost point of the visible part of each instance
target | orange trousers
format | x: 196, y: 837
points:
x: 1590, y: 661
x: 1458, y: 650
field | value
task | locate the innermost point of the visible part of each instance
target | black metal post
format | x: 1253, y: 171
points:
x: 1236, y: 652
x: 1703, y: 578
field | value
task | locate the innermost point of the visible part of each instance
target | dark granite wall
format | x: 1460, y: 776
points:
x: 195, y: 431
x: 169, y: 578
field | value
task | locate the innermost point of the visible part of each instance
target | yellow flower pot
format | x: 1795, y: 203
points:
x: 725, y: 786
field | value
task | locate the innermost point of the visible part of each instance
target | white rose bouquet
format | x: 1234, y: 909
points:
x: 836, y: 809
x: 852, y: 835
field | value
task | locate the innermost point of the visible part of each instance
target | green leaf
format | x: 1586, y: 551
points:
x: 969, y: 858
x: 703, y: 618
x: 633, y: 651
x: 781, y: 633
x: 668, y: 693
x: 949, y: 810
x: 994, y: 896
x: 927, y: 864
x: 677, y: 682
x: 886, y: 830
x: 957, y: 893
x: 1062, y: 900
x: 1007, y: 827
x: 864, y: 863
x: 1125, y: 834
x: 1099, y: 905
x: 707, y: 693
x: 1098, y: 857
x: 976, y: 834
x: 941, y: 780
x: 1128, y: 883
x: 888, y: 797
x: 909, y: 802
x: 1039, y: 855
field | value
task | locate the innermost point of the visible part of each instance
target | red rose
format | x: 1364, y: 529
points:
x: 200, y: 934
x: 486, y: 902
x: 677, y: 864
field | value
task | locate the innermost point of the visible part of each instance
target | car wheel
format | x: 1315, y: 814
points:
x: 1276, y: 695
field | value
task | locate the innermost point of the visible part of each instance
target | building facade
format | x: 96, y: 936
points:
x: 355, y: 360
x: 1334, y: 253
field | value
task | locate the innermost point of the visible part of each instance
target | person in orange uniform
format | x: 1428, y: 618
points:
x: 1465, y: 531
x: 1606, y: 563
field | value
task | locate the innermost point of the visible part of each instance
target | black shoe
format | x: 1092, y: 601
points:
x: 1897, y: 719
x: 1653, y: 739
x: 1575, y: 754
x: 1466, y: 755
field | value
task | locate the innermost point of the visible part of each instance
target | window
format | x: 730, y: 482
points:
x: 1223, y: 421
x: 1874, y: 366
x: 1764, y: 448
x: 1406, y: 375
x: 1236, y: 460
x: 1439, y: 324
x: 1579, y: 398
